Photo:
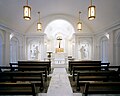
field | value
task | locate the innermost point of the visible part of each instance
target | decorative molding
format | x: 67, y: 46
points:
x: 7, y: 29
x: 113, y: 27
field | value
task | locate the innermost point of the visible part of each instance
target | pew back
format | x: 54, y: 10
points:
x: 103, y: 76
x: 36, y: 63
x: 102, y: 88
x: 22, y: 76
x: 17, y: 89
x: 82, y: 63
x: 77, y: 69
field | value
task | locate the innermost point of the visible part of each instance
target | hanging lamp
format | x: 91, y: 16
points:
x: 39, y: 25
x: 91, y: 12
x: 27, y: 12
x: 79, y: 24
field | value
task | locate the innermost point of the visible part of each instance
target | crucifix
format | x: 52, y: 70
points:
x: 59, y: 38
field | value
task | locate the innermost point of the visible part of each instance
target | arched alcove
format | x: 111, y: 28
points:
x: 14, y: 49
x: 1, y: 48
x: 58, y: 28
x: 34, y: 49
x: 104, y: 49
x: 118, y: 50
x: 59, y: 33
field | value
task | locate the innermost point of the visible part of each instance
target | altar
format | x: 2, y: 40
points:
x: 60, y: 58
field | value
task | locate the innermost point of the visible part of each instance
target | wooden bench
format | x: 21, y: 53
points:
x: 35, y: 77
x: 82, y: 63
x: 42, y: 69
x: 103, y: 76
x: 26, y: 68
x: 36, y: 63
x: 77, y: 69
x: 101, y: 88
x: 31, y: 67
x: 17, y: 89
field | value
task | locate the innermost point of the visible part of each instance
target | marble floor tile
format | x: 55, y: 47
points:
x: 59, y: 85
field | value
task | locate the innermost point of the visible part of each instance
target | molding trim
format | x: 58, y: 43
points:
x: 112, y: 27
x: 7, y: 29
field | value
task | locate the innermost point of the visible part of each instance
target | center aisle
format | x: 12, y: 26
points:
x: 59, y: 84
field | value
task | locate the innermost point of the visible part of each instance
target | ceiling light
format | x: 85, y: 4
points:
x: 39, y: 25
x: 27, y: 12
x: 79, y: 24
x: 91, y: 12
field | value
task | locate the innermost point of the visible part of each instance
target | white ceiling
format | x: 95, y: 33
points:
x: 11, y: 12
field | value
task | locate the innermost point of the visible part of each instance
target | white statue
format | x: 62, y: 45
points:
x: 84, y: 52
x: 35, y: 53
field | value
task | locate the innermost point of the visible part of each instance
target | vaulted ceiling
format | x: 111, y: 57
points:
x: 11, y: 12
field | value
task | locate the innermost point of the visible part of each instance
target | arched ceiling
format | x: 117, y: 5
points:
x: 59, y: 28
x: 11, y: 12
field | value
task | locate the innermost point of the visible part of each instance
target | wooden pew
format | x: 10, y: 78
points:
x: 15, y: 76
x: 36, y: 63
x: 82, y: 63
x: 101, y: 88
x: 26, y: 68
x: 103, y: 76
x: 77, y: 69
x: 17, y: 89
x: 42, y: 69
x: 30, y: 67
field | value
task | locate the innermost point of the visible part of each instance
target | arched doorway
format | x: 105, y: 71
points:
x: 59, y: 33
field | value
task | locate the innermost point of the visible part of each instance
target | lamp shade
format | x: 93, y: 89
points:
x: 91, y: 12
x: 27, y: 12
x: 39, y: 26
x: 79, y: 26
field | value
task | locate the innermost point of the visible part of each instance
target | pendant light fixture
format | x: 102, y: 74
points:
x: 27, y: 12
x: 39, y: 25
x: 79, y: 24
x: 91, y: 12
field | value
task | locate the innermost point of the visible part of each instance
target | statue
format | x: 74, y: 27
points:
x: 34, y: 53
x: 84, y: 52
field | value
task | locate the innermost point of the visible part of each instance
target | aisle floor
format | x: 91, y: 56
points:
x: 59, y: 84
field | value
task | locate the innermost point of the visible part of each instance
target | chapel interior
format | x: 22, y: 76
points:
x: 59, y: 39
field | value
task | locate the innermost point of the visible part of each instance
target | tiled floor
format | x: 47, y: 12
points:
x: 59, y: 85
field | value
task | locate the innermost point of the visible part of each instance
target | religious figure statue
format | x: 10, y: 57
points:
x: 34, y: 53
x: 84, y: 52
